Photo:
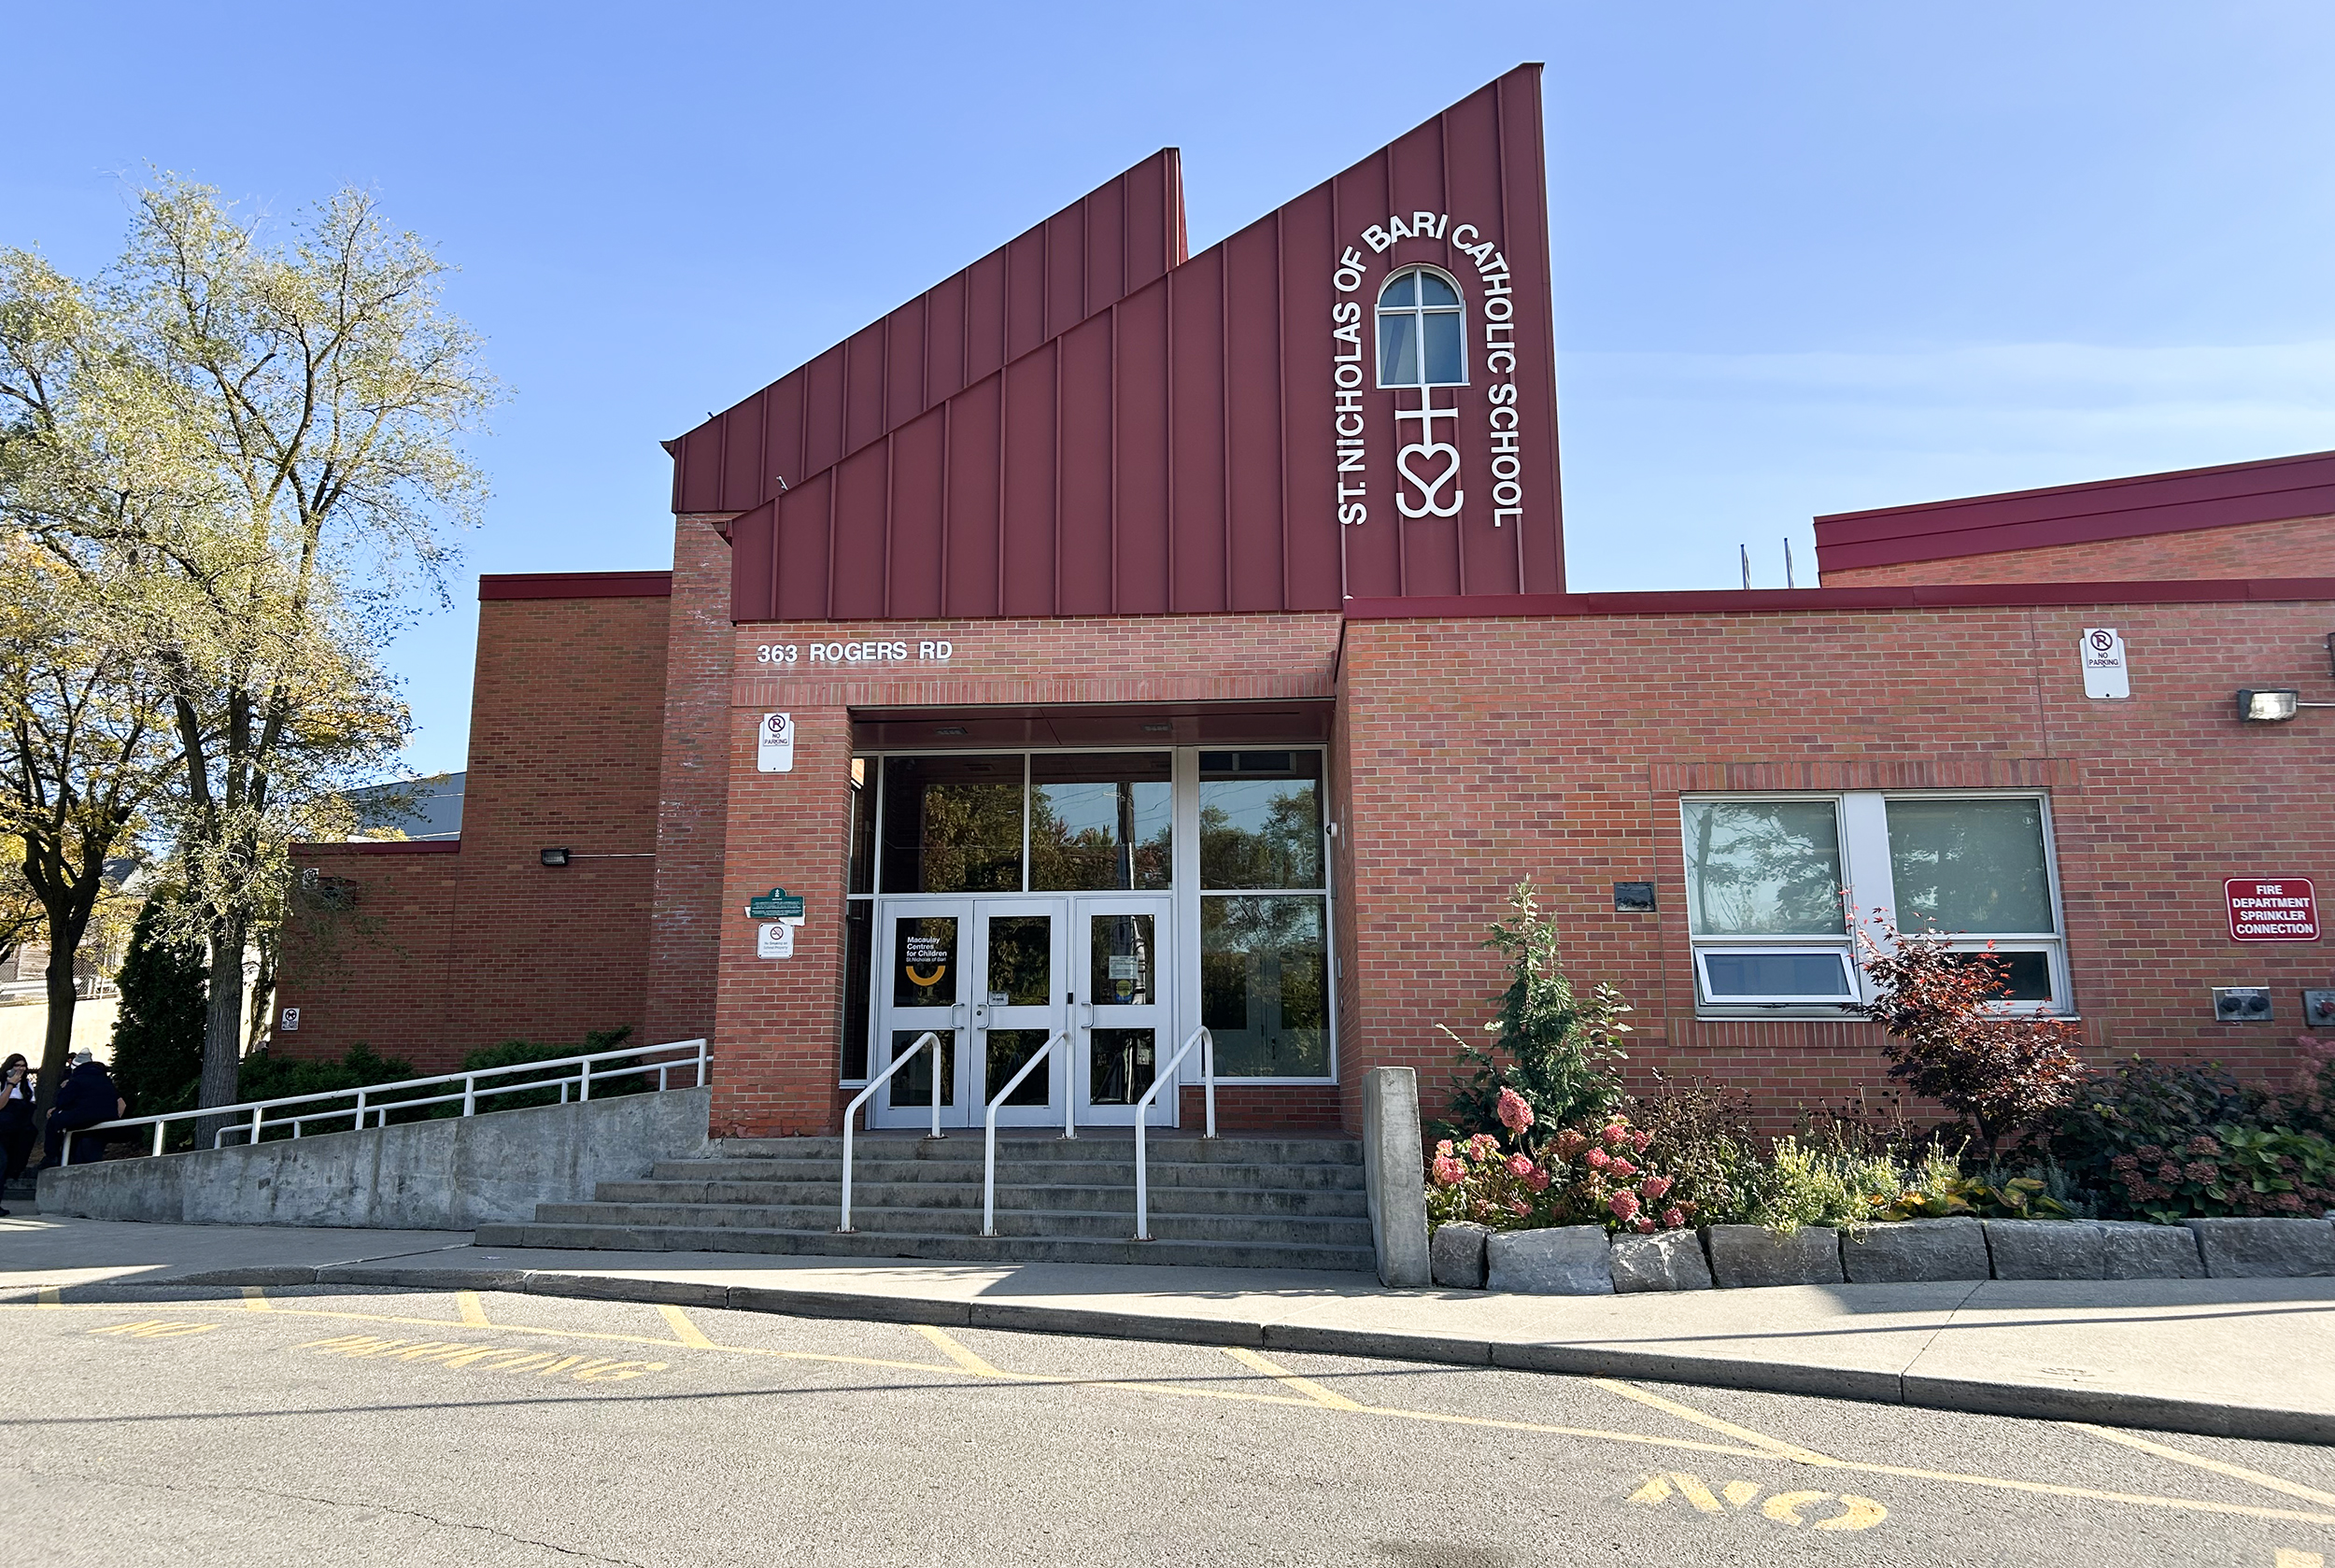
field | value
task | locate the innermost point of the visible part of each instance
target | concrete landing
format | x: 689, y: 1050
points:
x: 2244, y: 1358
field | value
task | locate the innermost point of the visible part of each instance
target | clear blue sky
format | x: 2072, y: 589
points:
x: 1811, y: 257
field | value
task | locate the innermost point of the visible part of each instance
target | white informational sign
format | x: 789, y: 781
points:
x: 774, y: 749
x: 1126, y: 966
x: 775, y: 938
x: 2101, y: 654
x: 291, y: 1021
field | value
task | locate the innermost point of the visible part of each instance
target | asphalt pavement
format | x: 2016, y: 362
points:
x: 194, y: 1425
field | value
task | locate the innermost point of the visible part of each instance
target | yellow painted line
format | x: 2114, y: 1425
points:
x: 255, y: 1300
x: 950, y: 1346
x: 685, y: 1331
x: 2289, y: 1558
x: 474, y: 1311
x: 1775, y: 1446
x: 1282, y: 1375
x: 2047, y: 1488
x: 2236, y: 1472
x: 50, y: 1297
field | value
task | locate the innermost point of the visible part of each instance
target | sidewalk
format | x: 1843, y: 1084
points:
x: 2240, y: 1358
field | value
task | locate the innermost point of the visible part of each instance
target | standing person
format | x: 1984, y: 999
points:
x: 86, y: 1097
x: 17, y: 1126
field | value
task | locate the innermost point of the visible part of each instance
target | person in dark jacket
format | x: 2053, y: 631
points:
x: 86, y: 1097
x: 17, y: 1126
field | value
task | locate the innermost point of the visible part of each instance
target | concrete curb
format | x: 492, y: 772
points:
x: 2031, y: 1401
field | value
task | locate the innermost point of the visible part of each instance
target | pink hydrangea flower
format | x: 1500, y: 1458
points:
x: 1515, y: 1115
x: 1570, y: 1144
x: 1644, y: 1224
x: 1623, y: 1168
x: 1673, y: 1218
x: 1624, y: 1206
x: 1449, y: 1172
x: 1615, y: 1135
x: 1444, y: 1149
x: 1518, y: 1207
x: 1654, y: 1187
x: 1639, y: 1139
x: 1598, y: 1159
x: 1483, y: 1146
x: 1539, y: 1180
x: 1520, y: 1165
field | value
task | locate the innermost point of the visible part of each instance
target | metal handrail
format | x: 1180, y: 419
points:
x: 989, y: 1125
x: 843, y: 1226
x: 1166, y: 1075
x: 380, y: 1109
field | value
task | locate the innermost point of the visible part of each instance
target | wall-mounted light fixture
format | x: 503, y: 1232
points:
x: 2272, y: 704
x: 555, y: 856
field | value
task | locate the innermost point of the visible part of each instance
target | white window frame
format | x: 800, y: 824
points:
x: 1861, y: 819
x: 1419, y: 314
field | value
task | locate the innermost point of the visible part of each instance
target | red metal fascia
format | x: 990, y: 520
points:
x: 1720, y: 601
x: 383, y: 846
x: 2178, y: 502
x: 574, y: 585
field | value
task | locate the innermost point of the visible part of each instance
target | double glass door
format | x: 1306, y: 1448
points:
x: 994, y: 980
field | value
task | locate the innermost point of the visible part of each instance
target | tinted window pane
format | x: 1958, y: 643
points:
x: 1398, y: 350
x: 863, y: 814
x: 2025, y: 977
x: 924, y: 961
x: 1443, y: 351
x: 1398, y: 292
x: 1763, y: 869
x: 859, y: 959
x: 1260, y: 819
x: 911, y: 1086
x: 1817, y: 976
x: 1122, y: 954
x: 1020, y: 961
x: 1122, y: 1064
x: 1434, y: 291
x: 1970, y: 864
x: 953, y: 825
x: 1004, y: 1051
x: 1102, y: 821
x: 1265, y: 986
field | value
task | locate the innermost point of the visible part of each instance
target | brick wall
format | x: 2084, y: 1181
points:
x: 444, y: 954
x: 691, y: 812
x: 778, y: 1021
x: 2298, y: 547
x: 1482, y: 752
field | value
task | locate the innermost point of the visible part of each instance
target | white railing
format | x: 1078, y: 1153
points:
x: 371, y: 1101
x: 850, y: 1111
x: 989, y: 1126
x: 1166, y: 1075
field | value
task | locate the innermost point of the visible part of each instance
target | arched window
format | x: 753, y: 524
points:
x: 1420, y: 339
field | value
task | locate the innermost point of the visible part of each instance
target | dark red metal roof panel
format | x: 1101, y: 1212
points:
x: 2181, y: 501
x: 1720, y: 601
x: 575, y: 585
x: 1117, y: 238
x: 1179, y: 450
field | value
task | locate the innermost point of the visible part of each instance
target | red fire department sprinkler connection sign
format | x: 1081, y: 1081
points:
x: 2272, y: 910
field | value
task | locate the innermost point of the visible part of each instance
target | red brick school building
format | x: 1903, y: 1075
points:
x: 1118, y: 641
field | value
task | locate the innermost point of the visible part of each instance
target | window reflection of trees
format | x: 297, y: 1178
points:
x: 1970, y: 864
x: 1265, y: 986
x: 1134, y: 853
x: 1765, y: 867
x: 1271, y: 842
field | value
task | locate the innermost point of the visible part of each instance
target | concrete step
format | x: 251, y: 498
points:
x: 1230, y: 1228
x: 1020, y: 1172
x: 1098, y: 1143
x: 935, y: 1245
x: 1294, y: 1201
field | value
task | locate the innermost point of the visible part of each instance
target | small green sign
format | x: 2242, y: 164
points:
x: 777, y: 904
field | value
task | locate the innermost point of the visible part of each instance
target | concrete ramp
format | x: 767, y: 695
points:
x: 457, y: 1174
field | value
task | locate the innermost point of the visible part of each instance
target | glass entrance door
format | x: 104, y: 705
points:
x: 990, y: 977
x: 1124, y: 1022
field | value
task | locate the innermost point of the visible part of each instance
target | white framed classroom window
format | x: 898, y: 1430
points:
x: 1774, y: 882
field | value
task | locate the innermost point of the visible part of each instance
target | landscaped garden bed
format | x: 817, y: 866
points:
x: 1550, y: 1178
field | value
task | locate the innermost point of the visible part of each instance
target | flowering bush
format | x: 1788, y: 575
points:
x: 2247, y: 1171
x: 1592, y: 1174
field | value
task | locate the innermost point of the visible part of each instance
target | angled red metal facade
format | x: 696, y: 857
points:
x: 1218, y: 440
x: 1103, y: 247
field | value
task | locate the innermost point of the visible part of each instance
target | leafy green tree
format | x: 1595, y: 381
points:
x: 1554, y: 1047
x: 158, y: 1034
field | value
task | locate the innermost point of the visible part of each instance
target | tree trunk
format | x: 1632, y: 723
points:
x: 58, y: 1046
x: 222, y: 1027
